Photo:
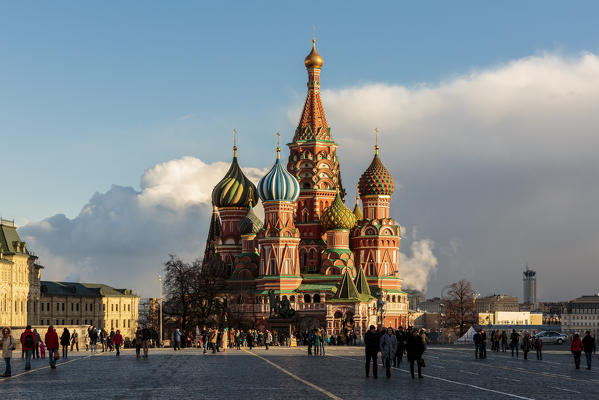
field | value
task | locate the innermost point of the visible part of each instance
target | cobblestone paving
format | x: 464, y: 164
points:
x: 451, y: 372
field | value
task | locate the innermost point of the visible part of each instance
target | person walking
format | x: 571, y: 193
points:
x: 539, y: 347
x: 504, y: 341
x: 388, y: 346
x: 75, y: 340
x: 28, y: 346
x: 477, y: 339
x: 51, y: 340
x: 588, y: 345
x: 576, y: 349
x: 146, y: 335
x: 93, y: 340
x: 514, y: 342
x: 38, y: 339
x: 310, y: 342
x: 526, y: 345
x: 268, y: 339
x: 414, y: 350
x: 371, y: 345
x: 65, y: 341
x: 401, y: 346
x: 225, y: 339
x: 317, y: 340
x: 323, y: 341
x: 250, y: 339
x: 483, y: 344
x: 117, y: 342
x: 139, y: 338
x: 496, y: 338
x: 177, y: 339
x: 8, y: 345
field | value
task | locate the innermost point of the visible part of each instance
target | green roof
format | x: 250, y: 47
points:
x: 8, y: 237
x: 50, y: 288
x: 276, y: 292
x: 347, y: 289
x: 362, y: 283
x: 307, y: 287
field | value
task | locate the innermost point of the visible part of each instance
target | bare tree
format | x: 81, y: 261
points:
x: 193, y: 291
x: 460, y: 312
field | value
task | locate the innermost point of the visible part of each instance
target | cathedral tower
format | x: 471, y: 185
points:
x: 279, y: 256
x: 375, y: 240
x: 232, y: 195
x: 313, y: 161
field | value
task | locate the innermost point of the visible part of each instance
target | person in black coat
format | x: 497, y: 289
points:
x: 401, y: 346
x: 65, y: 341
x: 371, y: 342
x: 415, y: 349
x: 588, y: 345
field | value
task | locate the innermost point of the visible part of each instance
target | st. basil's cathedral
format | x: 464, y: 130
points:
x: 330, y: 264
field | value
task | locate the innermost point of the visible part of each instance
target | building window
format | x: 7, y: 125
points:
x: 85, y: 306
x: 72, y: 322
x: 77, y: 322
x: 117, y: 324
x: 316, y: 298
x: 117, y: 307
x: 72, y: 307
x: 42, y: 310
x: 112, y: 307
x: 62, y: 306
x: 77, y: 306
x: 57, y: 307
x: 63, y: 321
x: 42, y: 323
x: 307, y: 298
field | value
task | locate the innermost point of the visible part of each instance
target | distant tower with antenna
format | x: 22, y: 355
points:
x: 530, y: 285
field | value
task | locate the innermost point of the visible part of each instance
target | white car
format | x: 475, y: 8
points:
x: 551, y: 337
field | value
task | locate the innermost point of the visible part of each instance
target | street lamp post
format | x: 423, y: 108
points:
x: 161, y: 302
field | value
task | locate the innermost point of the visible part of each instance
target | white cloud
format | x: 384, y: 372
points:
x: 121, y: 237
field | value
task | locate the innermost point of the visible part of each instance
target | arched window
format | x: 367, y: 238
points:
x: 316, y: 298
x: 307, y: 298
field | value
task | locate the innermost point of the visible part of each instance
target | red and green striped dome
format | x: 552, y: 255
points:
x: 376, y: 180
x: 250, y: 224
x: 338, y: 216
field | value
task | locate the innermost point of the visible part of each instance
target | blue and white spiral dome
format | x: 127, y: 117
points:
x: 278, y: 184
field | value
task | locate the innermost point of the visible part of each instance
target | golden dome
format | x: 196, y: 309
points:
x: 313, y: 60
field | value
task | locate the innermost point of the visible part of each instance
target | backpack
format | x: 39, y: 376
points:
x: 29, y: 342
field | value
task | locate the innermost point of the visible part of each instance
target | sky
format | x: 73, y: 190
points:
x: 116, y: 121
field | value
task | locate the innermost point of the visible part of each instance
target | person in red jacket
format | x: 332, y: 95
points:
x: 51, y: 340
x: 117, y: 341
x: 28, y: 345
x: 576, y: 348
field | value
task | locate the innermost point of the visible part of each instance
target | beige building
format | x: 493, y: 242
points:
x: 581, y: 315
x: 497, y: 302
x: 70, y: 303
x: 510, y: 318
x: 19, y: 279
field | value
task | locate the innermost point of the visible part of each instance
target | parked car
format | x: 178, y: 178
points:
x: 552, y: 337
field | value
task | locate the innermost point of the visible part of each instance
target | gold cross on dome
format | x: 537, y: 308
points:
x: 314, y: 33
x: 234, y: 142
x: 376, y: 145
x: 278, y: 148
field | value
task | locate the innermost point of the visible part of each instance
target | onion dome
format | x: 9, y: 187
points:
x: 338, y: 216
x: 235, y: 189
x: 313, y: 60
x: 376, y: 180
x: 278, y: 184
x: 250, y: 224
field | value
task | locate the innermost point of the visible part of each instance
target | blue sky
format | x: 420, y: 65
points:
x: 119, y: 115
x: 95, y: 93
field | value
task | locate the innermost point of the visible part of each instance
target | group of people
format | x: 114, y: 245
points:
x: 528, y: 343
x: 392, y: 344
x: 216, y: 339
x: 31, y: 344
